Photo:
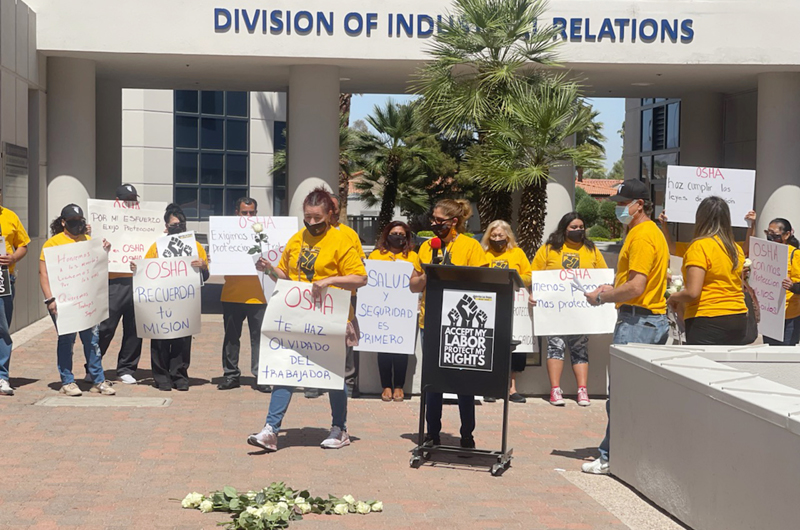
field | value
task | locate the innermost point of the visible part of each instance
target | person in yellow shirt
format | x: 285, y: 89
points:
x: 242, y: 298
x: 395, y: 244
x: 68, y: 228
x: 639, y: 286
x: 170, y: 358
x: 17, y: 240
x: 568, y: 248
x: 678, y: 248
x: 503, y: 252
x: 448, y: 223
x: 320, y: 255
x: 713, y: 300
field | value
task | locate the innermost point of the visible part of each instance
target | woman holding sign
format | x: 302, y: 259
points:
x: 170, y: 358
x: 502, y: 251
x: 449, y: 222
x: 715, y: 311
x: 568, y: 248
x: 68, y: 228
x: 395, y: 244
x: 323, y: 257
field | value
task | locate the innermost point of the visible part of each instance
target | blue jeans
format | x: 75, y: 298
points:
x: 6, y: 312
x: 282, y: 396
x: 630, y: 328
x: 791, y: 334
x: 91, y: 350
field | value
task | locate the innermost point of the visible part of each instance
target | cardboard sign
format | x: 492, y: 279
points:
x: 387, y: 309
x: 166, y: 298
x: 78, y: 274
x: 467, y: 332
x: 561, y: 307
x: 770, y: 266
x: 302, y: 337
x: 130, y: 227
x: 688, y: 186
x: 523, y: 324
x: 176, y: 245
x: 231, y: 238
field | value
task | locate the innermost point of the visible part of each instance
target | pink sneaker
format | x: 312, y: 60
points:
x: 583, y: 397
x: 556, y: 397
x: 266, y: 439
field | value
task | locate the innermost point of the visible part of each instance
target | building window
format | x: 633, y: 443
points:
x: 211, y: 152
x: 660, y: 139
x: 280, y: 203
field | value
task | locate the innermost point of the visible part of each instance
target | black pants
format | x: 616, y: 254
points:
x: 433, y: 413
x: 120, y: 307
x: 725, y: 330
x: 233, y: 316
x: 170, y: 360
x: 389, y: 361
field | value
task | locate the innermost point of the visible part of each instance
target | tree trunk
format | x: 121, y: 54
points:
x: 580, y: 174
x: 494, y: 205
x: 531, y: 217
x: 387, y: 203
x: 344, y: 180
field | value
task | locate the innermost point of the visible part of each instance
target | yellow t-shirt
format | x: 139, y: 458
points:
x: 463, y: 251
x: 242, y: 290
x: 722, y: 286
x: 61, y: 239
x: 412, y: 258
x: 514, y: 258
x: 352, y: 236
x: 307, y: 258
x: 571, y: 256
x: 152, y: 252
x: 681, y: 247
x: 11, y: 228
x: 793, y: 300
x: 645, y: 251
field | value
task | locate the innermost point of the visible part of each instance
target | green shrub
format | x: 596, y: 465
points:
x: 580, y: 193
x: 599, y: 232
x: 609, y: 218
x: 589, y: 210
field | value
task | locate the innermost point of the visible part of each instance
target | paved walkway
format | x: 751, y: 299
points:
x: 119, y: 467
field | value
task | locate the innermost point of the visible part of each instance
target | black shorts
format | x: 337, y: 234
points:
x: 518, y: 361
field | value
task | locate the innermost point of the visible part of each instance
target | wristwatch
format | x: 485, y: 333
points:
x: 599, y: 299
x: 49, y: 300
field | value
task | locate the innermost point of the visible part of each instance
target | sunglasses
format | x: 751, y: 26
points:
x: 439, y: 220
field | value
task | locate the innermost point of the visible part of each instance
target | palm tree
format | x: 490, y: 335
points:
x: 481, y: 61
x: 591, y: 136
x: 522, y: 147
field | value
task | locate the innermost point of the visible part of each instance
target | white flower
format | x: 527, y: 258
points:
x: 669, y: 272
x: 748, y: 262
x: 340, y: 509
x: 282, y: 506
x: 363, y: 508
x: 258, y: 228
x: 349, y: 499
x: 677, y: 283
x: 252, y: 510
x: 206, y: 506
x: 251, y: 495
x: 192, y: 500
x: 303, y: 507
x: 377, y: 506
x: 299, y: 500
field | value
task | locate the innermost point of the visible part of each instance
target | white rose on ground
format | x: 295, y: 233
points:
x: 299, y: 500
x: 282, y: 506
x: 349, y: 499
x: 206, y: 506
x: 258, y: 228
x: 362, y: 508
x: 303, y: 508
x: 340, y: 509
x: 252, y: 510
x: 377, y: 506
x: 192, y: 500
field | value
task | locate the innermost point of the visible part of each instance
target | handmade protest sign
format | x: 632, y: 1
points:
x: 5, y: 274
x: 130, y: 227
x: 231, y: 238
x: 467, y: 339
x: 387, y: 309
x: 523, y: 324
x: 176, y: 245
x: 302, y: 337
x: 687, y: 186
x: 166, y: 298
x: 770, y: 265
x: 78, y: 275
x: 561, y: 307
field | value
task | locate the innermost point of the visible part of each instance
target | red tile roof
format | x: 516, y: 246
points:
x: 599, y: 187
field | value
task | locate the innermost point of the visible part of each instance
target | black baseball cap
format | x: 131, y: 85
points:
x: 631, y: 190
x: 126, y: 192
x: 71, y: 210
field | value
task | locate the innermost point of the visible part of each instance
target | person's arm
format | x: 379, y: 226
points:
x: 662, y: 222
x: 10, y: 259
x: 276, y: 273
x: 44, y: 283
x: 633, y: 288
x: 351, y: 282
x: 750, y: 217
x: 417, y: 283
x: 693, y: 286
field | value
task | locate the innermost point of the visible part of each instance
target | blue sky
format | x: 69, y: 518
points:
x: 612, y: 114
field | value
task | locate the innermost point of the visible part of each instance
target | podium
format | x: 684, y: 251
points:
x: 467, y: 345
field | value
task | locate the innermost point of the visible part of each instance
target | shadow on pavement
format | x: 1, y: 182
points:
x: 585, y: 453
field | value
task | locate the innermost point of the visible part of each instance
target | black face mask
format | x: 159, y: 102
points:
x: 316, y: 229
x: 498, y: 244
x: 575, y: 235
x: 181, y: 228
x: 396, y: 240
x: 777, y: 238
x: 76, y: 227
x: 441, y: 230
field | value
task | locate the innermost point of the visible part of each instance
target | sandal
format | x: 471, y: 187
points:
x: 398, y: 394
x: 387, y: 394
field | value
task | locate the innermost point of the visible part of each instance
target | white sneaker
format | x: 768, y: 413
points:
x: 71, y: 389
x: 336, y: 439
x: 266, y: 439
x: 596, y: 467
x: 5, y: 388
x: 128, y: 379
x: 103, y: 388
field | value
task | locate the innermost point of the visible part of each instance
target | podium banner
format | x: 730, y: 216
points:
x: 561, y: 307
x: 467, y: 339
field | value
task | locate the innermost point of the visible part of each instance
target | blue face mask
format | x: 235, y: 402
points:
x: 623, y: 215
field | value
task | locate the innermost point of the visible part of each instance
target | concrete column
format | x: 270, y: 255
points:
x: 560, y: 195
x: 778, y: 159
x: 70, y: 133
x: 702, y: 130
x: 313, y: 132
x: 109, y: 137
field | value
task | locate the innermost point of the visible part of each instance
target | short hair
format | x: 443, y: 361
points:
x: 248, y: 201
x: 174, y: 210
x: 499, y: 223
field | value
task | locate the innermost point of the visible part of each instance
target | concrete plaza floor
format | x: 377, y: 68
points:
x: 114, y: 466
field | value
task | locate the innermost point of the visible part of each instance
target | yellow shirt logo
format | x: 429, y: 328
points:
x: 307, y: 261
x: 571, y: 261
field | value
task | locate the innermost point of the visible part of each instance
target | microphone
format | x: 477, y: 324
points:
x: 436, y: 245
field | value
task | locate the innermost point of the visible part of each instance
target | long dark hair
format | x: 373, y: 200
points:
x: 559, y: 236
x: 786, y: 226
x: 713, y: 218
x: 56, y: 227
x: 174, y: 210
x: 383, y: 246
